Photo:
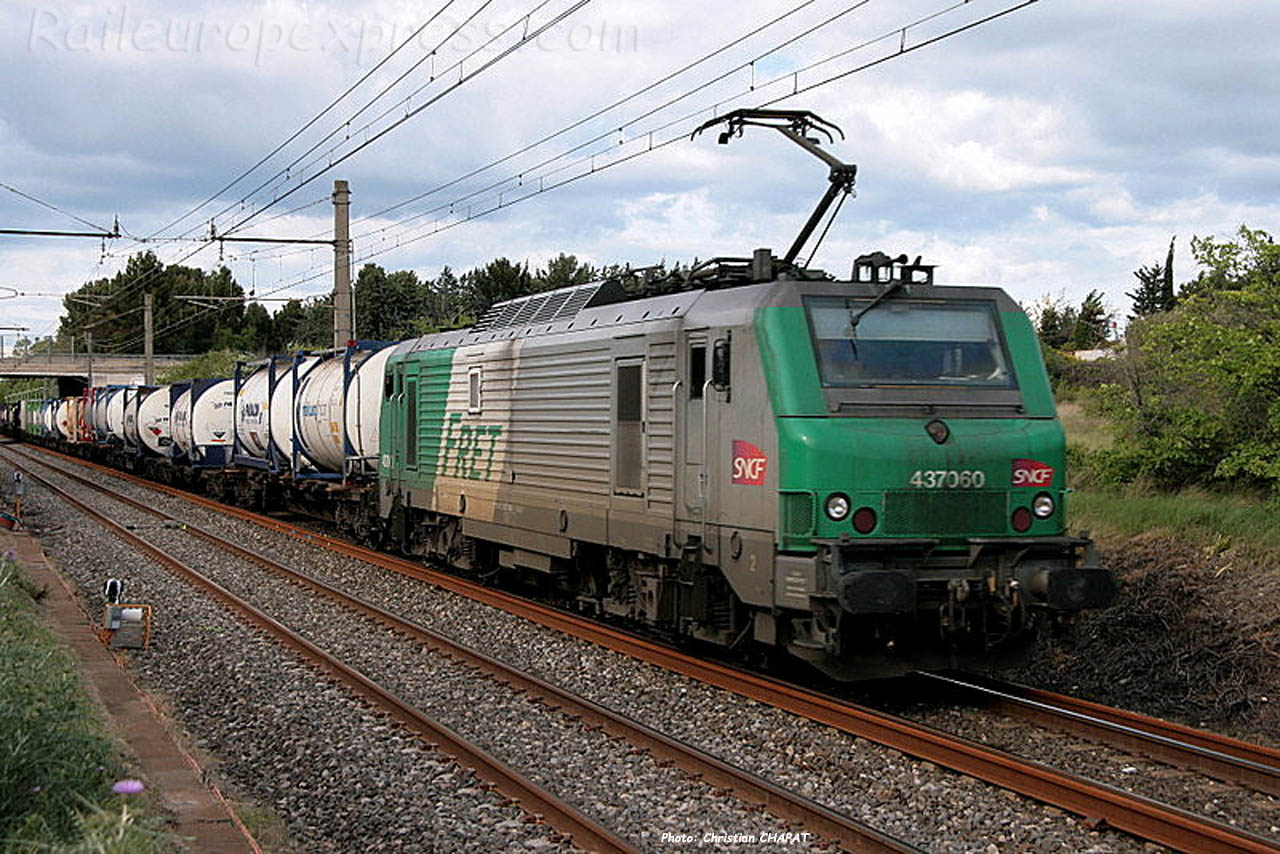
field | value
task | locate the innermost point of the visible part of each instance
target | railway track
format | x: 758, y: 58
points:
x: 1097, y: 802
x: 1254, y: 766
x: 828, y: 824
x: 584, y: 831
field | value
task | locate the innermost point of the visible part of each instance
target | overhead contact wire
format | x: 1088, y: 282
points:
x: 305, y: 127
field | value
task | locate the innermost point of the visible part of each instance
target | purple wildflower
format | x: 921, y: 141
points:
x: 128, y: 787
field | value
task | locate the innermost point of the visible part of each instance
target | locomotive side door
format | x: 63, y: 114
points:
x: 693, y: 426
x: 629, y: 427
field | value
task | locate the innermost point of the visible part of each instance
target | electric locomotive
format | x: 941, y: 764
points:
x: 868, y: 475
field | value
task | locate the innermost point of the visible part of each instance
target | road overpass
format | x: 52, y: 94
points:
x: 102, y: 369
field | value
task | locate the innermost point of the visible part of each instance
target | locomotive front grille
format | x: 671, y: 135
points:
x: 950, y: 512
x: 797, y: 513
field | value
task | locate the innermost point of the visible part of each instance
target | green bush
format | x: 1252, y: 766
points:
x: 219, y: 364
x: 56, y: 764
x: 1196, y: 395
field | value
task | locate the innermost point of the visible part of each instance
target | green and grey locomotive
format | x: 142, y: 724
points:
x: 867, y: 474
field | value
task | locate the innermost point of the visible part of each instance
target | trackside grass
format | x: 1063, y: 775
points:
x: 1198, y: 516
x: 57, y: 764
x: 1214, y: 519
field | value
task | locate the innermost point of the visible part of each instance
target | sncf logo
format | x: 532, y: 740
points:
x: 1031, y: 473
x: 749, y: 463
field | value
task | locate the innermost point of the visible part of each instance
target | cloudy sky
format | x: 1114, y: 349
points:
x: 1052, y: 150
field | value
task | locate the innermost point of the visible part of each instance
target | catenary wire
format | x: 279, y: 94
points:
x: 53, y: 207
x: 797, y: 90
x: 529, y: 36
x: 307, y: 125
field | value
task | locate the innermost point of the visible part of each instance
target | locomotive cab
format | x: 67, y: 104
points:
x: 922, y: 485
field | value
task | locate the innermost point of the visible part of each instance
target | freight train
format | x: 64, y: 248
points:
x: 867, y: 475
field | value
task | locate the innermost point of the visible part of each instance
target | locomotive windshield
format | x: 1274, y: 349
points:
x: 904, y: 342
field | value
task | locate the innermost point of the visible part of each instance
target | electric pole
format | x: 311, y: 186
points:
x: 343, y: 308
x: 88, y: 343
x: 148, y: 339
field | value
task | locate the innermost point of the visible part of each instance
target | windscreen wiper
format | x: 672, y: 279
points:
x: 893, y: 288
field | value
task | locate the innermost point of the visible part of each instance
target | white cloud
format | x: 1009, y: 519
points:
x: 1039, y: 152
x: 975, y: 141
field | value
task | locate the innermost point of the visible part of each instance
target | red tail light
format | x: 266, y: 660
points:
x: 864, y: 520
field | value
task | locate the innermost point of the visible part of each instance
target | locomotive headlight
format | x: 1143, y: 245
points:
x: 1043, y: 506
x: 837, y: 507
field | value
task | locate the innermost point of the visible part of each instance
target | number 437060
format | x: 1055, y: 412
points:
x: 947, y: 479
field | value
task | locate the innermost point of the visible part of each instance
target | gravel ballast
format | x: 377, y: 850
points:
x: 932, y: 807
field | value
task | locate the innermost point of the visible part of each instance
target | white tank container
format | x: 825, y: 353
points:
x: 63, y: 419
x: 281, y: 428
x: 253, y: 413
x: 321, y: 415
x: 153, y: 421
x: 213, y: 417
x: 180, y: 422
x: 207, y: 421
x: 134, y: 398
x: 115, y: 415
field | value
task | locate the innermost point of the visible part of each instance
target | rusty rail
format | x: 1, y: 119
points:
x: 1134, y: 814
x: 583, y: 830
x: 1251, y: 765
x: 829, y: 824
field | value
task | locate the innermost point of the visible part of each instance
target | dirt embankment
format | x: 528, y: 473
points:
x: 1193, y: 637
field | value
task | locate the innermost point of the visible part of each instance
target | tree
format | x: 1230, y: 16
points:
x: 314, y: 330
x: 498, y: 281
x: 563, y: 271
x: 1253, y: 258
x: 1055, y: 321
x: 1155, y: 287
x: 1201, y: 398
x: 257, y: 335
x: 1092, y: 324
x: 111, y: 308
x: 388, y: 306
x: 444, y: 304
x: 284, y: 326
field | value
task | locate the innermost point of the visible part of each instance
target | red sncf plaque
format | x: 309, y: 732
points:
x: 1031, y: 473
x: 749, y: 463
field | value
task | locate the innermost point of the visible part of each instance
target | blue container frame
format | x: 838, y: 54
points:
x: 201, y: 456
x: 136, y: 393
x: 100, y: 435
x: 348, y: 450
x: 272, y: 463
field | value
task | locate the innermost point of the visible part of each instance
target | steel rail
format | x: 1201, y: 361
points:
x: 829, y: 824
x: 1252, y: 765
x: 566, y: 819
x: 1143, y: 817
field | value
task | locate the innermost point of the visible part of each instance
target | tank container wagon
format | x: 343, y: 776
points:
x: 155, y: 439
x: 201, y: 427
x: 334, y: 441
